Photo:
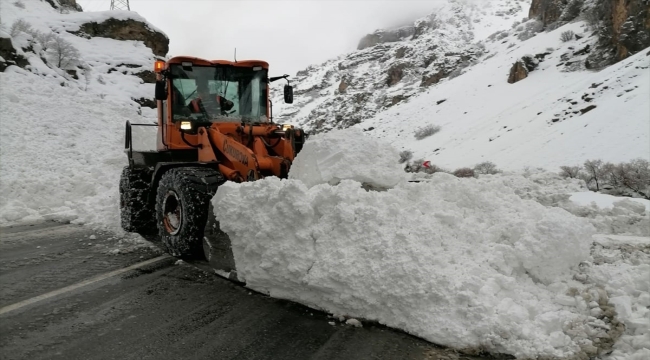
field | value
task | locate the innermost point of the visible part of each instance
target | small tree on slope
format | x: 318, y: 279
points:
x: 62, y: 53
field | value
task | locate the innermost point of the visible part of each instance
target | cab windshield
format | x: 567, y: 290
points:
x: 219, y: 93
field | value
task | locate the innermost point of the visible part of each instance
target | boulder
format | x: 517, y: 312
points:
x: 517, y: 72
x: 127, y: 30
x: 9, y: 55
x: 395, y: 74
x: 343, y: 85
x: 368, y: 41
x: 428, y: 80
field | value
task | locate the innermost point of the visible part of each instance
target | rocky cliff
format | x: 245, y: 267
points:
x: 128, y: 29
x: 623, y: 26
x: 390, y: 66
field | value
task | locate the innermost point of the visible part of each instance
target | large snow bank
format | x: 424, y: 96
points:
x: 61, y: 151
x: 461, y: 262
x: 61, y: 140
x: 338, y: 155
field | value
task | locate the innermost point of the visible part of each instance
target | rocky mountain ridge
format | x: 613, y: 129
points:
x: 391, y: 66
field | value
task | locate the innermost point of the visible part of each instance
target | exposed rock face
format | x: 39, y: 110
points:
x: 368, y: 41
x: 630, y: 26
x: 395, y: 74
x: 8, y: 53
x: 391, y: 66
x: 624, y: 30
x: 428, y: 80
x: 150, y: 103
x: 65, y: 4
x: 127, y: 30
x: 385, y: 36
x: 517, y: 72
x: 342, y: 86
x: 548, y: 11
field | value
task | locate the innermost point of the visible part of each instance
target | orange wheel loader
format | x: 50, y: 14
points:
x: 214, y: 125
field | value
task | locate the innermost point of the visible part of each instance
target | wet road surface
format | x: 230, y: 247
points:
x: 159, y: 310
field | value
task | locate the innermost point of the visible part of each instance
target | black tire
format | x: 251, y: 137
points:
x: 137, y: 213
x: 182, y: 205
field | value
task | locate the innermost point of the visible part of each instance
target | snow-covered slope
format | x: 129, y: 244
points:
x: 551, y: 118
x: 395, y: 64
x: 452, y: 71
x: 61, y: 138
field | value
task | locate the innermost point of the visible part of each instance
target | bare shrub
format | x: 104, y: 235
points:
x: 432, y: 169
x: 19, y: 4
x: 62, y: 53
x: 464, y: 173
x: 20, y: 26
x: 531, y: 28
x: 571, y: 172
x: 486, y: 168
x: 635, y: 176
x: 594, y: 173
x: 44, y: 39
x: 100, y: 79
x: 426, y: 131
x: 567, y: 36
x: 405, y: 156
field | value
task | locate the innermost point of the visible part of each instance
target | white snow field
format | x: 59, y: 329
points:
x: 520, y: 262
x: 484, y: 118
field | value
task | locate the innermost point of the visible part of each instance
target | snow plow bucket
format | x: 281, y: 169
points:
x: 217, y: 248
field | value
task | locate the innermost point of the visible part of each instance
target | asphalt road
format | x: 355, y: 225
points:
x: 64, y: 294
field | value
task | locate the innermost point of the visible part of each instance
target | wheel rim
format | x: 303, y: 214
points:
x: 172, y: 213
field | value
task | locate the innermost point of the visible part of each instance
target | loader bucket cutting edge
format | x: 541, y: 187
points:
x: 217, y: 248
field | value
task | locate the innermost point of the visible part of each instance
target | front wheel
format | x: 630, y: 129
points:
x: 182, y: 205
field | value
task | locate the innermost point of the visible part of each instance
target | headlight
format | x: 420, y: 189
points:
x: 186, y: 125
x: 285, y: 127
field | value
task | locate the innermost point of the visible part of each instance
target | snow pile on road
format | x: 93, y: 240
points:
x: 621, y: 266
x: 608, y: 214
x: 465, y: 263
x: 338, y: 155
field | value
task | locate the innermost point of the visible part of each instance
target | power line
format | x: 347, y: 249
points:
x: 120, y: 5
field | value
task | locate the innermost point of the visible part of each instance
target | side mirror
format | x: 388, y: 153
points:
x: 288, y: 94
x: 161, y: 92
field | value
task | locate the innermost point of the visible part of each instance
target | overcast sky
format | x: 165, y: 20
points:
x: 289, y: 34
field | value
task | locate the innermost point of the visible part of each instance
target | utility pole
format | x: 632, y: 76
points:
x: 120, y: 5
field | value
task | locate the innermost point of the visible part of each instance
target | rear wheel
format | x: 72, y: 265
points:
x: 182, y: 205
x: 136, y: 212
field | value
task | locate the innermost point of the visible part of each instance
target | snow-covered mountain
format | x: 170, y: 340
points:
x: 393, y: 65
x: 451, y: 70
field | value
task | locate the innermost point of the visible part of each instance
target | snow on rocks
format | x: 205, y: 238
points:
x: 354, y: 322
x: 465, y: 263
x: 345, y: 154
x: 621, y: 267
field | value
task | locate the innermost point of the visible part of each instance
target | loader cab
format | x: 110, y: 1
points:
x: 194, y: 88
